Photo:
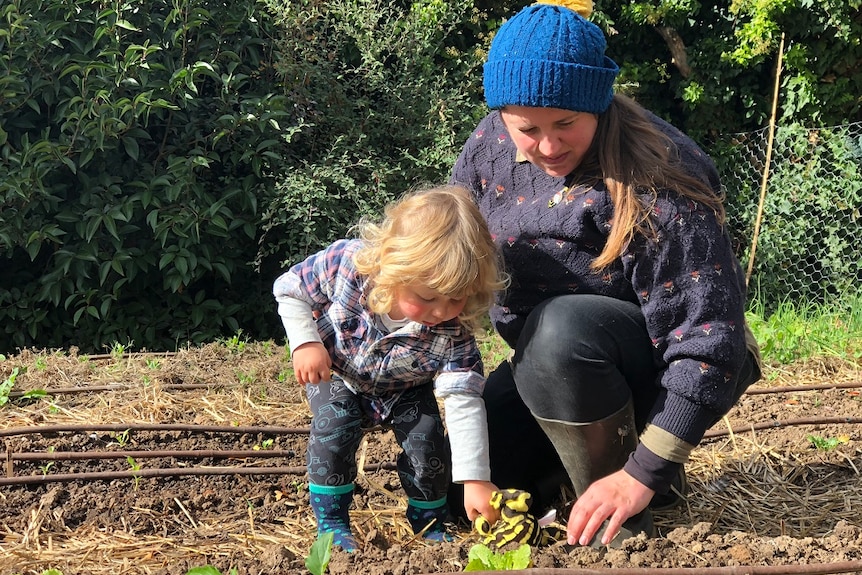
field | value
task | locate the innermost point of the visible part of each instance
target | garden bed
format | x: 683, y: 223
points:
x: 197, y: 458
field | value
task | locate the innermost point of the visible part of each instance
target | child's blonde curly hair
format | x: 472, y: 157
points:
x: 435, y: 237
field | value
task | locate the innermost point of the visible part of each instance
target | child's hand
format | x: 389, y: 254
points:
x: 311, y: 363
x: 477, y: 500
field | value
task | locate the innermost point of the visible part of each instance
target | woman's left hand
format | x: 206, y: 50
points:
x: 615, y: 497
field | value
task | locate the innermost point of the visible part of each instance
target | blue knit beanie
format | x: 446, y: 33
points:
x: 549, y: 56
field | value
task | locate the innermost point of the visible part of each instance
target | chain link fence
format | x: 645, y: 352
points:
x: 794, y: 211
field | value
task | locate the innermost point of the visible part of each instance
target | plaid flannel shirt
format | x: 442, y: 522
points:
x: 376, y: 364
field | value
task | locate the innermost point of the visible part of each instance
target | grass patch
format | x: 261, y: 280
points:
x: 797, y: 331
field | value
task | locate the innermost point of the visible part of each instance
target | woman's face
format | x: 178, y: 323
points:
x: 553, y: 139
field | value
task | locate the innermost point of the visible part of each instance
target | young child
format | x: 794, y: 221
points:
x: 395, y: 312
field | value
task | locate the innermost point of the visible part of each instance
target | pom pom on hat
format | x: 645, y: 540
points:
x: 582, y: 7
x: 549, y: 56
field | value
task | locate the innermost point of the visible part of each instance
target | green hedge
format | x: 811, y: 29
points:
x: 160, y: 162
x: 136, y: 152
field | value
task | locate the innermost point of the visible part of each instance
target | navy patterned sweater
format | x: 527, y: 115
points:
x: 688, y: 284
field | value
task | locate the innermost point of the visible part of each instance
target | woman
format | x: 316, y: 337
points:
x: 626, y: 305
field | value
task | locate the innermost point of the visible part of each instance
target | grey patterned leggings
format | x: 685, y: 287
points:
x: 339, y: 421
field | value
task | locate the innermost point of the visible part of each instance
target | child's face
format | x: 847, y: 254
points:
x: 422, y: 304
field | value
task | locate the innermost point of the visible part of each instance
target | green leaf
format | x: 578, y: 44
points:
x: 520, y: 557
x: 320, y: 554
x: 126, y: 25
x: 131, y: 147
x: 205, y: 570
x: 481, y: 558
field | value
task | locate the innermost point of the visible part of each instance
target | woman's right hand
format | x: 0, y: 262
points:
x: 311, y: 363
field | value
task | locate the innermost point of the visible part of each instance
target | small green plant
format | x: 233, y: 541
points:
x: 246, y: 378
x: 118, y: 350
x: 153, y: 363
x: 209, y: 570
x: 47, y: 466
x: 236, y: 343
x: 826, y: 444
x: 34, y: 394
x: 263, y: 445
x: 493, y: 349
x: 7, y: 386
x: 41, y: 363
x: 135, y: 467
x: 320, y: 554
x: 481, y: 558
x: 122, y: 438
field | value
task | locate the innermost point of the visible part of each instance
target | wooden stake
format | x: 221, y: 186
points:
x: 765, y: 178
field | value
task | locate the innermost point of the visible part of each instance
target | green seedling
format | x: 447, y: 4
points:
x: 41, y: 363
x: 48, y: 465
x: 122, y: 438
x: 9, y: 383
x: 7, y: 386
x: 827, y: 444
x: 135, y: 467
x: 34, y: 394
x: 320, y: 553
x: 235, y: 343
x: 118, y: 349
x: 209, y: 570
x: 481, y: 558
x: 153, y: 363
x: 263, y: 445
x: 246, y: 378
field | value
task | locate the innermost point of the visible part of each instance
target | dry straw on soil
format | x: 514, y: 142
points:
x: 737, y: 478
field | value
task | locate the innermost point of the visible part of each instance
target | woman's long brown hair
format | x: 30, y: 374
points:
x: 636, y: 161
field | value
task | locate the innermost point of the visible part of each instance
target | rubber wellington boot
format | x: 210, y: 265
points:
x: 590, y: 451
x: 330, y: 505
x: 430, y: 514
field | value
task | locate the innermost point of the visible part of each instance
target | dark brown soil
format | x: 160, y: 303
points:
x: 759, y: 497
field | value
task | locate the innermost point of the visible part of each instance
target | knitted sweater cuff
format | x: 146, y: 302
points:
x: 683, y: 418
x: 651, y: 470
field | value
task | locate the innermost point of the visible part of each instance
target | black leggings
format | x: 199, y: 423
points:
x: 337, y: 426
x: 579, y: 358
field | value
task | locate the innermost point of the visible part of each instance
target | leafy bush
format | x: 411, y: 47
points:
x: 710, y: 66
x: 387, y: 93
x: 161, y: 161
x: 136, y: 153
